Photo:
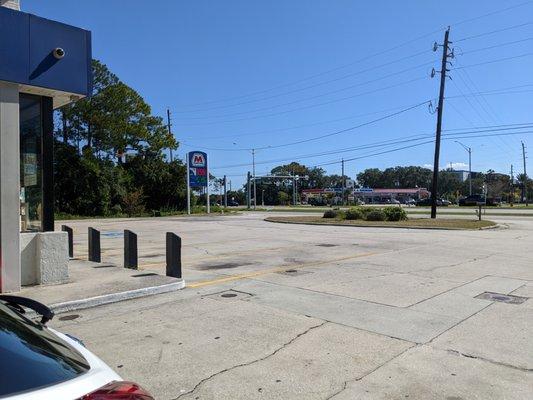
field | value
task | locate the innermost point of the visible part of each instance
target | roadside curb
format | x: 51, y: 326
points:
x: 90, y: 302
x: 386, y: 227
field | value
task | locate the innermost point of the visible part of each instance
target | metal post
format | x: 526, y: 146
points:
x: 524, y: 185
x: 248, y: 191
x: 130, y: 250
x: 253, y: 171
x: 69, y: 231
x: 511, y: 188
x: 173, y: 255
x: 94, y: 245
x: 169, y: 132
x: 188, y: 185
x: 225, y: 193
x: 470, y: 170
x: 343, y: 181
x: 207, y: 187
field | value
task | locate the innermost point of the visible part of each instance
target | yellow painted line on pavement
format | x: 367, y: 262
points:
x: 272, y: 270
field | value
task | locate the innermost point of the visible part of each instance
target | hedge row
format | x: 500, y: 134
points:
x: 369, y: 214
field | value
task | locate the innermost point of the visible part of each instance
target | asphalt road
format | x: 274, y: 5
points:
x: 276, y: 311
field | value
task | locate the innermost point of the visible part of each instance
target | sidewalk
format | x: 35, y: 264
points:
x: 92, y: 284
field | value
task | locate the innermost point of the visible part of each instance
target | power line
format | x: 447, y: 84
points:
x: 373, y: 68
x: 314, y: 105
x: 329, y: 134
x: 497, y: 46
x: 317, y: 96
x: 492, y: 61
x: 490, y: 14
x: 493, y: 32
x: 457, y: 133
x: 390, y: 49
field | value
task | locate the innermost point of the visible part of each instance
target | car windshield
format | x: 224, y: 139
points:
x: 31, y: 356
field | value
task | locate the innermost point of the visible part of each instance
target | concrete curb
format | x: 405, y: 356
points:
x: 382, y: 226
x: 73, y: 305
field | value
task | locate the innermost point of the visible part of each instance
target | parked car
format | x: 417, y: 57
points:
x: 37, y: 362
x: 427, y: 202
x: 233, y: 203
x: 473, y: 200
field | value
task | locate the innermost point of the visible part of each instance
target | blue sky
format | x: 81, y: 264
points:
x: 241, y: 74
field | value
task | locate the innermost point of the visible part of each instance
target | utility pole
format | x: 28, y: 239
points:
x: 524, y: 184
x: 343, y: 181
x: 248, y: 191
x: 169, y: 131
x: 443, y: 71
x: 253, y: 171
x: 511, y: 189
x: 225, y: 193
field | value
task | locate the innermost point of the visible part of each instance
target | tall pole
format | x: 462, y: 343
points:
x: 343, y: 181
x: 248, y: 191
x: 470, y: 171
x: 169, y: 131
x: 443, y: 71
x: 524, y: 184
x: 253, y: 171
x: 207, y: 187
x: 225, y: 192
x: 188, y: 185
x: 511, y: 189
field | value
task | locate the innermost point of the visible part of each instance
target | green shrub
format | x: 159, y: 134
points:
x: 330, y: 214
x: 395, y: 213
x: 354, y: 213
x: 365, y: 210
x: 376, y: 215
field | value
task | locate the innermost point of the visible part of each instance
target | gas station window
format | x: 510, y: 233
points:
x: 31, y: 188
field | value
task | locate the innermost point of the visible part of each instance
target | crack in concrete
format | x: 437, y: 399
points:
x: 499, y: 363
x: 283, y: 346
x: 345, y: 385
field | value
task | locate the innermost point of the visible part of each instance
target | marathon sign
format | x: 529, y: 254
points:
x: 197, y: 163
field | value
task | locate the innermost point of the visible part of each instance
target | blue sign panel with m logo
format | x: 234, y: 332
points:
x: 197, y: 169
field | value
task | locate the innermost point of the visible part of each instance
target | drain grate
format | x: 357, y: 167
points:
x: 502, y: 298
x: 326, y: 245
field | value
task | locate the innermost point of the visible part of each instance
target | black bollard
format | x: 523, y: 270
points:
x: 70, y: 233
x: 130, y: 250
x: 173, y: 255
x: 94, y: 245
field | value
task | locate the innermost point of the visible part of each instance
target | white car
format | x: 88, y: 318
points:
x: 37, y: 362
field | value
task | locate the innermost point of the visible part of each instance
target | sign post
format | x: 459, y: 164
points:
x: 197, y: 176
x: 188, y: 187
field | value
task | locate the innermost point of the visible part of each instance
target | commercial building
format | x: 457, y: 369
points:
x: 369, y: 195
x: 43, y: 65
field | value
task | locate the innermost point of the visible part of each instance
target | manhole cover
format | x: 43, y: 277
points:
x: 229, y: 295
x: 502, y: 298
x: 143, y: 275
x: 69, y: 317
x: 327, y: 245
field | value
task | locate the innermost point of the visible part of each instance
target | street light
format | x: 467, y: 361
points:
x: 469, y: 150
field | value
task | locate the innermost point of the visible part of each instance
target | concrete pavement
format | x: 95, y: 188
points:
x: 315, y: 312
